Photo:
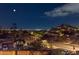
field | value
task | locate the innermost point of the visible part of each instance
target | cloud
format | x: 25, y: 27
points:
x: 64, y: 10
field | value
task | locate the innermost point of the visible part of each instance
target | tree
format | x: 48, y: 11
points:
x: 36, y: 45
x: 19, y: 44
x: 14, y: 26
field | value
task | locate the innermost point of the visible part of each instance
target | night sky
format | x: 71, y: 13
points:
x: 32, y: 16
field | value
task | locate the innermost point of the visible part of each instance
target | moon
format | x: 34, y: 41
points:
x: 14, y: 10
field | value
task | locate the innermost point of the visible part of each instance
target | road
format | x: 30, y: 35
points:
x: 66, y: 46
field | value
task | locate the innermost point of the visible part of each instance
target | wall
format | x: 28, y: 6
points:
x: 13, y: 52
